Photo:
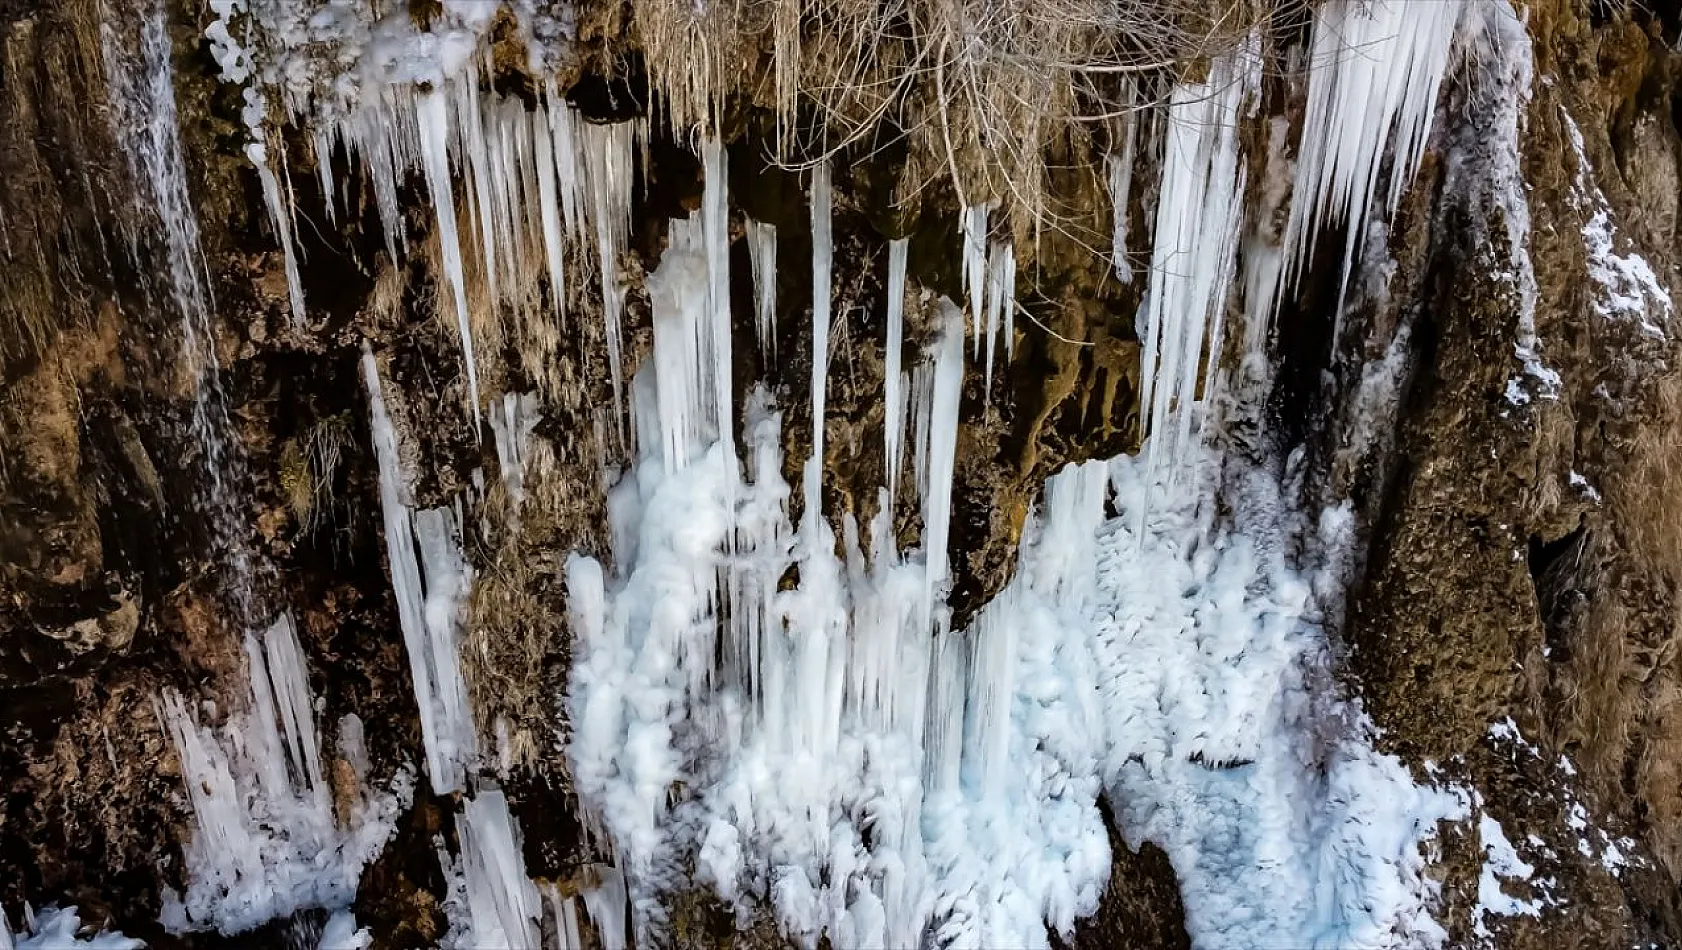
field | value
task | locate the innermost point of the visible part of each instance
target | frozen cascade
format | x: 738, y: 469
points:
x: 55, y: 928
x: 1198, y: 217
x: 762, y: 255
x: 1375, y: 71
x: 1071, y: 684
x: 816, y: 748
x: 429, y: 604
x: 266, y: 841
x: 893, y: 378
x: 144, y: 118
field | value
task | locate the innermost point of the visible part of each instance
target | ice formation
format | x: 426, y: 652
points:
x: 1199, y: 213
x: 430, y: 579
x: 1372, y: 91
x: 55, y: 928
x: 266, y: 841
x: 815, y: 747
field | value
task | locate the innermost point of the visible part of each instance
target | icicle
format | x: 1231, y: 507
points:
x: 503, y: 901
x: 549, y: 207
x: 427, y: 612
x: 942, y: 453
x: 762, y: 254
x: 323, y: 143
x: 432, y: 114
x: 715, y: 227
x: 1199, y: 214
x: 822, y: 248
x: 973, y: 225
x: 1001, y: 304
x: 678, y: 291
x: 1121, y: 187
x: 512, y: 423
x: 280, y: 216
x: 606, y: 903
x: 1376, y: 69
x: 893, y: 378
x: 565, y: 911
x: 608, y: 151
x: 55, y: 928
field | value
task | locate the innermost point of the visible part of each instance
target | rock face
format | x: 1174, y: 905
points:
x: 1511, y: 626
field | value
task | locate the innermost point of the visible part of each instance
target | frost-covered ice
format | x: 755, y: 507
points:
x: 56, y: 928
x: 266, y: 840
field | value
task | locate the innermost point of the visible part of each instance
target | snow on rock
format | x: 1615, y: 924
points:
x: 267, y: 842
x: 1501, y: 861
x: 1483, y: 167
x: 54, y: 928
x: 1629, y: 287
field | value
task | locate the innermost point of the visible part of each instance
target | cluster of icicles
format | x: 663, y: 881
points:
x: 853, y: 762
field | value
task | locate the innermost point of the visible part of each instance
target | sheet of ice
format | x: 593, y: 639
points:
x: 266, y: 841
x: 55, y: 928
x: 1119, y: 179
x: 512, y: 422
x: 1484, y: 170
x: 430, y: 581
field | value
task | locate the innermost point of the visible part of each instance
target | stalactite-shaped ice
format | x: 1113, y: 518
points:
x: 1001, y: 305
x: 1120, y: 181
x: 608, y: 155
x: 1375, y: 69
x: 822, y: 250
x: 512, y: 423
x: 1199, y: 213
x: 762, y: 255
x: 428, y: 608
x: 432, y: 115
x: 893, y: 378
x: 973, y: 226
x: 266, y: 841
x: 503, y: 901
x: 715, y: 228
x: 942, y: 453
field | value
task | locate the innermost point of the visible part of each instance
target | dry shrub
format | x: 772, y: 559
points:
x: 984, y: 91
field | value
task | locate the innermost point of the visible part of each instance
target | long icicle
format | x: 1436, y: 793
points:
x: 894, y: 383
